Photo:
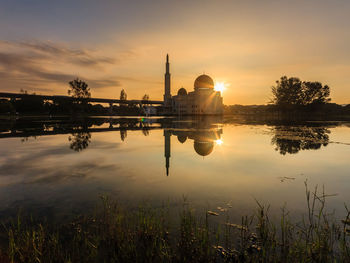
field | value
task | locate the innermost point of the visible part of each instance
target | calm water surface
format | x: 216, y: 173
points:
x: 60, y: 168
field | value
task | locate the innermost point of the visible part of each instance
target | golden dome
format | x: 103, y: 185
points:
x: 203, y: 148
x: 182, y: 92
x: 203, y: 82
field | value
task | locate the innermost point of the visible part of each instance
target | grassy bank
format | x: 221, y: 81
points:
x: 115, y: 234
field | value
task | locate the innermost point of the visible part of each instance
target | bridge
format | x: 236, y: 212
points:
x: 7, y: 95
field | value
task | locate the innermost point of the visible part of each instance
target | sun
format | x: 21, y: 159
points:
x: 219, y: 86
x: 219, y: 142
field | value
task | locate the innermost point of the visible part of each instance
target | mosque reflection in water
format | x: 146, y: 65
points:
x: 204, y: 134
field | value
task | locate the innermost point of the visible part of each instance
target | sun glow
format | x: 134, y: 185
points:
x: 220, y: 86
x: 219, y: 142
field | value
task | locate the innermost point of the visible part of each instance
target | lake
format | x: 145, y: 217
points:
x: 57, y: 168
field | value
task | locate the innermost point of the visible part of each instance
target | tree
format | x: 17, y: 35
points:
x: 23, y: 91
x: 145, y: 98
x: 293, y: 91
x: 123, y: 95
x: 79, y: 89
x: 316, y: 93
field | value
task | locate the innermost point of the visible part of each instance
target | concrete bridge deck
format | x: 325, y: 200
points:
x: 8, y: 95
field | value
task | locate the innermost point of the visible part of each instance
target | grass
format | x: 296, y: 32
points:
x: 115, y: 234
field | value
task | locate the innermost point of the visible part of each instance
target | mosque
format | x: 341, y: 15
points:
x: 204, y: 100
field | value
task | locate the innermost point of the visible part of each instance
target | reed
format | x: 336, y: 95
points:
x: 114, y: 234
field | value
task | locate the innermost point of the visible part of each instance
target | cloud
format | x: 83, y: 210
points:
x: 48, y: 49
x: 104, y: 83
x: 80, y: 57
x: 141, y: 80
x: 36, y: 64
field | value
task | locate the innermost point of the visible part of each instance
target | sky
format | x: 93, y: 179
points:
x: 115, y: 45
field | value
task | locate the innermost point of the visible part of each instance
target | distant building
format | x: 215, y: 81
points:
x: 204, y: 100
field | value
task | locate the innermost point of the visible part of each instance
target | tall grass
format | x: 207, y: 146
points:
x: 115, y: 234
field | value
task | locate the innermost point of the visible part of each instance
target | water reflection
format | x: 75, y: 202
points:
x: 123, y: 134
x: 205, y: 132
x: 292, y: 139
x: 116, y: 158
x: 79, y: 141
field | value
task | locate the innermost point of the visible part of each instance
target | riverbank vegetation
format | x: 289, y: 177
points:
x: 115, y: 234
x: 293, y: 98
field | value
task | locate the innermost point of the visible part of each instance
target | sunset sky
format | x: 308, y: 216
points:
x: 116, y: 45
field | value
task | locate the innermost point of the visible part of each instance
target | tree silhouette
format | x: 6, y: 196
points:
x: 314, y: 92
x: 293, y: 91
x: 22, y: 91
x: 79, y: 89
x: 123, y: 95
x: 145, y: 98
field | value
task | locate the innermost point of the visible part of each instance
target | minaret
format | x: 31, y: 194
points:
x: 167, y: 94
x: 167, y: 150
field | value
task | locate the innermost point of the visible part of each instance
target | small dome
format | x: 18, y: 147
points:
x: 182, y: 92
x: 203, y: 82
x: 203, y: 148
x: 182, y: 138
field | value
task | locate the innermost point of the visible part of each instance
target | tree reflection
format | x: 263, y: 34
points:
x: 123, y: 134
x: 123, y: 131
x: 145, y: 131
x: 79, y: 141
x: 293, y: 139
